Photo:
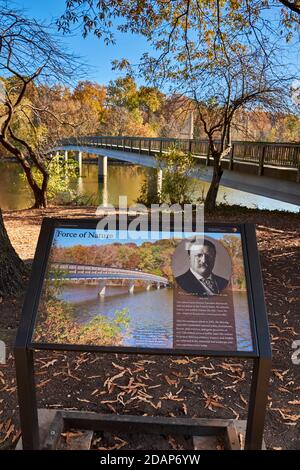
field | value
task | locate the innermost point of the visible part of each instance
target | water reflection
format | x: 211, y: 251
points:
x: 122, y: 179
x: 242, y: 321
x: 150, y: 312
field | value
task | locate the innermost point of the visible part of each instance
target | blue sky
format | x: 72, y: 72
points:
x: 98, y: 56
x: 91, y: 49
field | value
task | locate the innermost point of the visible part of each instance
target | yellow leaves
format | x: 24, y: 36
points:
x: 235, y: 4
x: 209, y: 35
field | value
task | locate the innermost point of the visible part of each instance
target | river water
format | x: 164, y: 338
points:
x: 150, y: 313
x: 125, y: 180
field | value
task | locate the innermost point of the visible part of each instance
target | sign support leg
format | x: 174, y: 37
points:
x: 27, y: 398
x: 257, y: 403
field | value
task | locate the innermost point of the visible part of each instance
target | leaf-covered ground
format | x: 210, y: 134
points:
x: 159, y: 385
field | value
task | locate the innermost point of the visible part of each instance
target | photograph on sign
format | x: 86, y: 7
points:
x: 159, y: 290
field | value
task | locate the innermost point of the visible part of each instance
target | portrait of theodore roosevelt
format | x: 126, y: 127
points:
x: 200, y: 278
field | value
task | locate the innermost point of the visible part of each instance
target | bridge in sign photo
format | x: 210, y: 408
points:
x: 102, y: 275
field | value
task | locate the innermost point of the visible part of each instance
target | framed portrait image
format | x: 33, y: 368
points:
x: 142, y: 291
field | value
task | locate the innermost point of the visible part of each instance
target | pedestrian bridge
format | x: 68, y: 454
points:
x: 102, y: 275
x: 267, y: 169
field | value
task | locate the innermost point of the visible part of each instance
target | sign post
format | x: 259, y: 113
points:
x: 204, y: 298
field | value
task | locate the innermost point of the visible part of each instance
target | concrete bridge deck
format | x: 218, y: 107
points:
x: 267, y: 186
x: 91, y: 272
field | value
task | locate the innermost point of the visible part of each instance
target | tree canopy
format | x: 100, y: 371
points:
x: 146, y: 16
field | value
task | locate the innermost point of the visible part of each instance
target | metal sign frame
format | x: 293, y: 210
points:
x: 261, y: 355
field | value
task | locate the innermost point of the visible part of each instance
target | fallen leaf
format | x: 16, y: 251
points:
x: 50, y: 363
x: 170, y: 381
x: 43, y: 383
x: 243, y: 399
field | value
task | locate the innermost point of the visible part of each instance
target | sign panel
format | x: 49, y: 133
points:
x: 146, y: 290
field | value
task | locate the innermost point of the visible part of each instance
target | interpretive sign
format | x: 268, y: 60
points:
x: 152, y: 290
x: 147, y: 292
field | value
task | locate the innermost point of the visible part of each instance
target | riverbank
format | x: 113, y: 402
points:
x: 161, y: 385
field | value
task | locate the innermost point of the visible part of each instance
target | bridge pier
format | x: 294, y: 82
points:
x: 131, y: 288
x: 148, y: 287
x: 66, y: 155
x: 102, y: 167
x: 79, y: 161
x: 104, y: 191
x: 158, y: 286
x: 154, y: 184
x: 102, y: 290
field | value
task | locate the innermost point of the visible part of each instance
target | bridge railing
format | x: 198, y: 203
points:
x: 90, y: 270
x: 285, y: 155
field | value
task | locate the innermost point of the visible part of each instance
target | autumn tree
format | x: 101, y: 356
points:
x: 28, y: 54
x: 66, y: 111
x: 12, y: 268
x: 143, y: 16
x: 239, y: 77
x: 132, y: 110
x: 92, y: 98
x: 222, y: 55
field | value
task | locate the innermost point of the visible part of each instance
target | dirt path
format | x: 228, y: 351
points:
x: 161, y: 385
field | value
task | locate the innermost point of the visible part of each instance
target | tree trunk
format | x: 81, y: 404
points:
x: 12, y: 268
x: 40, y: 193
x: 211, y: 197
x: 40, y: 197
